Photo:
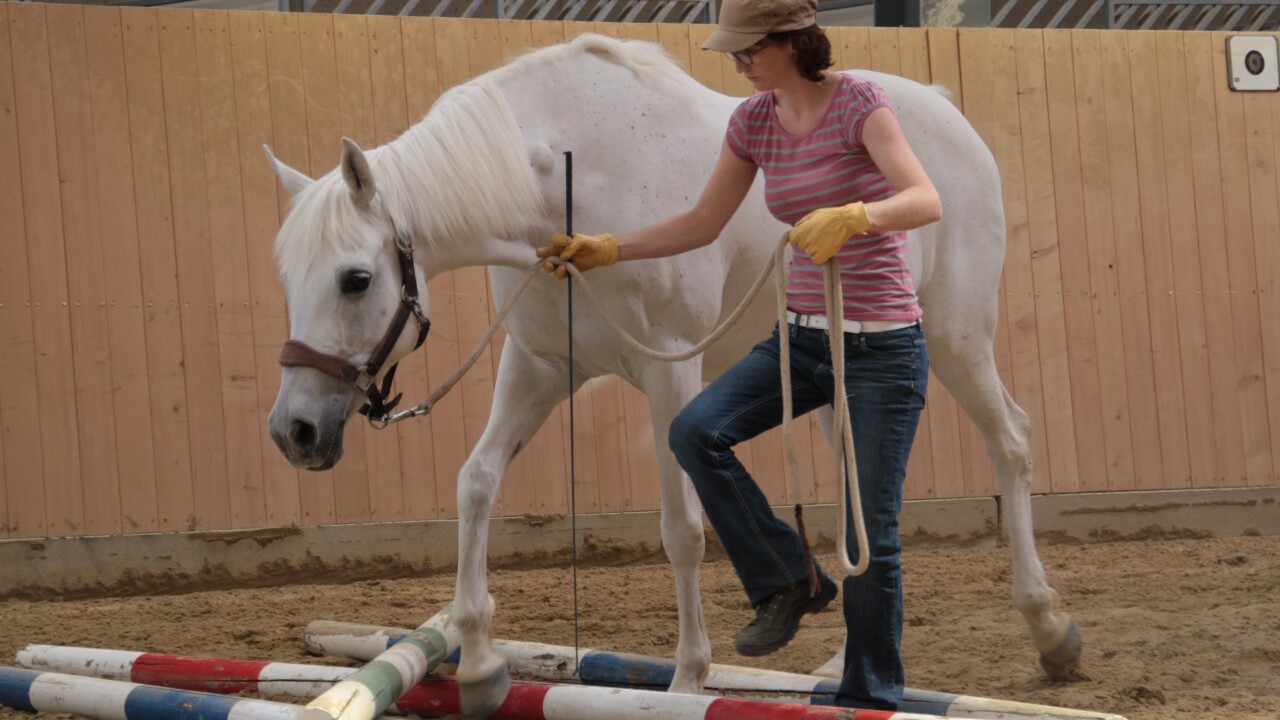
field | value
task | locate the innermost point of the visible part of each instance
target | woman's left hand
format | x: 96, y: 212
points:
x: 824, y: 231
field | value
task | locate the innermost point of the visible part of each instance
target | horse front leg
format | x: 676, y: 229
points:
x: 669, y: 388
x: 526, y: 390
x: 968, y: 370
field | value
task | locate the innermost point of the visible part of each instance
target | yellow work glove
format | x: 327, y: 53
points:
x: 823, y: 232
x: 584, y: 251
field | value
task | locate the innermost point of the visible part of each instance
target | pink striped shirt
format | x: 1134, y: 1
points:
x: 828, y: 167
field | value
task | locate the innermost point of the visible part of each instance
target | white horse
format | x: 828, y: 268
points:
x: 479, y: 181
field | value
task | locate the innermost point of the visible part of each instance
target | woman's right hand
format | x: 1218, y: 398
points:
x: 824, y: 231
x: 584, y: 251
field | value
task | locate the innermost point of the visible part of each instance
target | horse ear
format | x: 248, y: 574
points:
x: 355, y: 170
x: 292, y: 180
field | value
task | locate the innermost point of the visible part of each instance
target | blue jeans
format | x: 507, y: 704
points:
x: 885, y: 380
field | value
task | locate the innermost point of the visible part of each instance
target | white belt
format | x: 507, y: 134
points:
x: 819, y: 322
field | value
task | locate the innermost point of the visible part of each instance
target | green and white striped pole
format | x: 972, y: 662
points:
x: 374, y: 687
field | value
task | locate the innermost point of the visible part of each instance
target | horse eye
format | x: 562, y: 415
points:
x: 356, y: 282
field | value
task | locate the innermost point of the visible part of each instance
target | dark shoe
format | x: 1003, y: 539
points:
x: 778, y: 617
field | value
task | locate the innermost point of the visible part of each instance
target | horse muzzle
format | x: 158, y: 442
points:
x: 311, y: 438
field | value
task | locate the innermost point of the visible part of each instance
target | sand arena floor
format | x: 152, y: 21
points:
x: 1173, y: 628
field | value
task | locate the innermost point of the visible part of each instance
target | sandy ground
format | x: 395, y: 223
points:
x: 1173, y: 628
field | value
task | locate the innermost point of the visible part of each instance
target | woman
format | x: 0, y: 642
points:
x: 836, y: 165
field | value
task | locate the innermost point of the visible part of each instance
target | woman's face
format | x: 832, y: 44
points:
x: 765, y: 64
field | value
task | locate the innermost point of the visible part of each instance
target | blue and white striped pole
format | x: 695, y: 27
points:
x: 34, y: 691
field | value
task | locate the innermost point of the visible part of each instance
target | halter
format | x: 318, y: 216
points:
x: 296, y: 353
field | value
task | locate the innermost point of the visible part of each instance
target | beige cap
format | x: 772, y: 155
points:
x: 744, y: 23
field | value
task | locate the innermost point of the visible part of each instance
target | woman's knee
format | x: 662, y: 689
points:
x: 687, y: 434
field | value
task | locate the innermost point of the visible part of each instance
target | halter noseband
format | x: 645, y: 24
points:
x: 364, y: 377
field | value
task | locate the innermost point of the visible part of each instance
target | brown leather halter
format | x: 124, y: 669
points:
x: 364, y: 377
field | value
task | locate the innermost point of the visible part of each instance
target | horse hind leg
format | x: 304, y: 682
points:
x: 526, y: 390
x: 967, y: 367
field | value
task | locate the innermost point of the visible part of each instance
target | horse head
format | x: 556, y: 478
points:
x: 352, y: 289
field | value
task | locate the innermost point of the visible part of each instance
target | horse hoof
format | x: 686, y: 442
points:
x: 684, y: 686
x: 1062, y: 664
x: 481, y: 697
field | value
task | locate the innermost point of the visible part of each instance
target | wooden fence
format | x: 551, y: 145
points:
x: 140, y: 312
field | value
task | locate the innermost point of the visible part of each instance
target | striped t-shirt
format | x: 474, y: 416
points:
x: 830, y: 167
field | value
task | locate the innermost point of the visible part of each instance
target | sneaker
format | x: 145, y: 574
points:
x: 778, y: 616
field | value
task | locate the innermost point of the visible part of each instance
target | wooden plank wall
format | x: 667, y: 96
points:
x: 140, y: 312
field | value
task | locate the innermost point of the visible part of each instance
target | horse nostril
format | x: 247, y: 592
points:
x: 303, y: 434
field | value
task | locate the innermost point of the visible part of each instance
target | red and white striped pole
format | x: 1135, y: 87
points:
x: 434, y: 697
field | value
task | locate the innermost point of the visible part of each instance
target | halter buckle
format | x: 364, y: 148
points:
x: 421, y: 317
x: 364, y: 380
x: 404, y: 244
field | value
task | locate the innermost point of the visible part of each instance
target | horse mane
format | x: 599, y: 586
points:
x: 460, y: 172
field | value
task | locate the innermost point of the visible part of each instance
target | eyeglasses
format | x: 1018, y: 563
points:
x: 748, y: 56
